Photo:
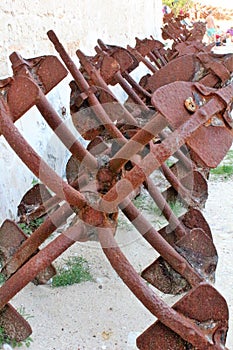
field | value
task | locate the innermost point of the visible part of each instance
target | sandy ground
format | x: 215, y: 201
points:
x: 104, y: 314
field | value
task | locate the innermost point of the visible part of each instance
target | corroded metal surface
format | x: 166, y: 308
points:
x: 210, y: 319
x: 14, y: 325
x: 11, y: 239
x: 174, y: 112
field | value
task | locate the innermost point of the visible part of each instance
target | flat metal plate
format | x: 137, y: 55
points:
x: 182, y: 68
x: 50, y: 72
x: 22, y: 95
x: 209, y: 142
x: 15, y: 326
x: 198, y: 249
x: 205, y: 307
x: 11, y: 238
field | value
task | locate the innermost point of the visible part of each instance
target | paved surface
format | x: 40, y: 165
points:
x: 223, y: 49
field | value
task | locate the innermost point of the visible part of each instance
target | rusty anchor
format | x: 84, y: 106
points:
x: 181, y: 325
x: 176, y: 185
x: 212, y: 251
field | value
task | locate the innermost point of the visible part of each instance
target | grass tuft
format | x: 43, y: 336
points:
x: 225, y: 167
x: 75, y: 269
x: 146, y: 203
x: 30, y: 227
x: 223, y: 170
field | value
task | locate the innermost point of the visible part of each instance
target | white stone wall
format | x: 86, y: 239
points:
x: 78, y: 24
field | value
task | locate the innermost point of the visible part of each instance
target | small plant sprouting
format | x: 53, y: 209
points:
x: 145, y: 202
x: 5, y: 339
x: 35, y: 181
x: 28, y: 228
x: 17, y: 344
x: 25, y: 227
x: 2, y: 278
x: 22, y: 312
x: 75, y: 269
x: 177, y: 207
x: 225, y: 167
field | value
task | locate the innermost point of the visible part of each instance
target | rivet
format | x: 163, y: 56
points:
x: 190, y: 104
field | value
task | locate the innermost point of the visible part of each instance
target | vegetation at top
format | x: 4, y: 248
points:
x: 177, y: 5
x: 225, y: 168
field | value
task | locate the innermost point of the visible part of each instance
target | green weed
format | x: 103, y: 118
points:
x: 225, y: 167
x: 223, y: 170
x: 176, y: 207
x: 23, y: 313
x: 73, y: 270
x: 28, y: 228
x: 2, y: 278
x: 146, y: 203
x: 5, y: 339
x: 35, y: 181
x: 16, y: 344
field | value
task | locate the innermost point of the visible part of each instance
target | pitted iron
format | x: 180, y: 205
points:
x: 126, y: 147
